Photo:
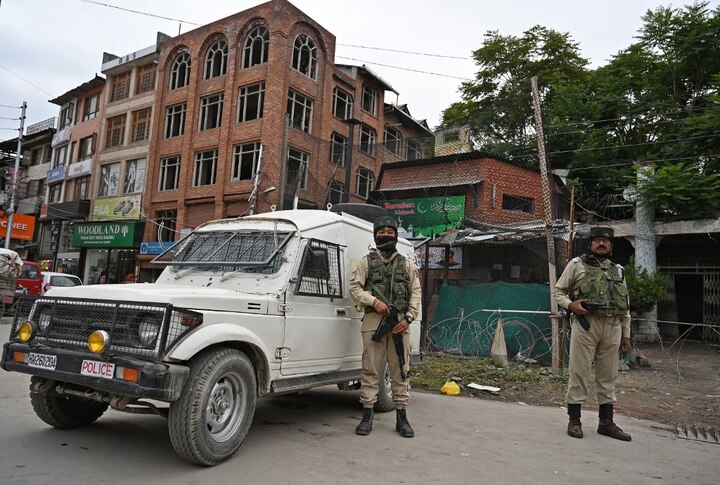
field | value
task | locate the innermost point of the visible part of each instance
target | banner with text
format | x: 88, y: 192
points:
x: 428, y: 216
x: 103, y: 234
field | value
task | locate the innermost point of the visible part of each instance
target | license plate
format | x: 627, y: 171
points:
x: 95, y: 368
x: 42, y: 361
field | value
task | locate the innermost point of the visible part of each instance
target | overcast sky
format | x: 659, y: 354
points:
x: 48, y: 47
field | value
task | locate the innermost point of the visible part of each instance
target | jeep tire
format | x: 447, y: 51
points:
x: 213, y: 414
x: 64, y: 412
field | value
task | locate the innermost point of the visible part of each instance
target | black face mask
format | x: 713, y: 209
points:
x: 386, y: 243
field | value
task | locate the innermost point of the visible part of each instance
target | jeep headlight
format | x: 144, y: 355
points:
x: 148, y: 330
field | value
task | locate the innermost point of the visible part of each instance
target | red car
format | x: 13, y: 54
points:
x: 30, y: 279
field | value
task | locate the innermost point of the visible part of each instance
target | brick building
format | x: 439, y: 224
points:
x: 261, y: 88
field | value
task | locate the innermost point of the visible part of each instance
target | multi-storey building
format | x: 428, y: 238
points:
x: 67, y: 178
x: 252, y: 112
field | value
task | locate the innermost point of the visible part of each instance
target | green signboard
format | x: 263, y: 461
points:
x: 103, y: 234
x: 428, y: 216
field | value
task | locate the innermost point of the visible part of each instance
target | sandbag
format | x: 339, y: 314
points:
x: 498, y: 351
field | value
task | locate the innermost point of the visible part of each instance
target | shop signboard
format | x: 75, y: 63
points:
x: 427, y: 216
x: 55, y: 174
x: 117, y: 234
x: 112, y: 208
x: 78, y: 169
x: 155, y: 247
x: 23, y: 227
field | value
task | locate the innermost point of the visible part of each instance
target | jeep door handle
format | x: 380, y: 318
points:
x: 340, y: 312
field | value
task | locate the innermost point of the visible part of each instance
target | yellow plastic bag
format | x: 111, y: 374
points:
x: 450, y: 388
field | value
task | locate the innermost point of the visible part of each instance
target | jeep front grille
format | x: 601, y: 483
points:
x: 135, y: 328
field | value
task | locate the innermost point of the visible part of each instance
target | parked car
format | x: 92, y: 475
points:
x: 51, y: 279
x: 31, y: 279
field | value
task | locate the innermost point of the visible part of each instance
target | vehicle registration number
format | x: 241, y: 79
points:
x: 43, y: 361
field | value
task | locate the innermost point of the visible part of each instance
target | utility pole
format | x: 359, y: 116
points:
x: 547, y: 212
x: 10, y: 210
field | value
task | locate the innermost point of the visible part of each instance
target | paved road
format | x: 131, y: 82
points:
x: 308, y: 439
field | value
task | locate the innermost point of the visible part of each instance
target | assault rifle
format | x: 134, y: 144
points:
x: 591, y: 306
x: 386, y: 325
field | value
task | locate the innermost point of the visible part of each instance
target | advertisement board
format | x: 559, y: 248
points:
x: 428, y: 216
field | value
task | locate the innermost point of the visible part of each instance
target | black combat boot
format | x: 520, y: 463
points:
x: 365, y: 426
x: 402, y: 426
x: 607, y: 427
x: 574, y: 428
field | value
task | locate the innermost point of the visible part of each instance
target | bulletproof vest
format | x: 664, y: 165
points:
x: 391, y: 279
x: 604, y: 284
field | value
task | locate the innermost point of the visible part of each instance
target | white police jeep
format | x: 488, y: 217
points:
x: 246, y: 307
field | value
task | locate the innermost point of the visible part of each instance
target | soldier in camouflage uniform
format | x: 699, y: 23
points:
x: 592, y: 280
x: 385, y: 277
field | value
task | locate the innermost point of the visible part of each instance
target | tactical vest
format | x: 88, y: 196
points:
x: 604, y: 284
x: 391, y: 279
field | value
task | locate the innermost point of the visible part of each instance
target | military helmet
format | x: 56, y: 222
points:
x: 606, y: 232
x: 384, y: 221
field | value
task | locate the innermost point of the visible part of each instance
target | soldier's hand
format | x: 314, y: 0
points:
x: 401, y: 327
x: 381, y: 307
x: 577, y: 308
x: 624, y: 345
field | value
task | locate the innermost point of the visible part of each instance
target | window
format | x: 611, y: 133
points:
x: 338, y: 145
x: 335, y: 192
x: 33, y: 188
x: 205, y: 165
x: 91, y: 107
x: 300, y: 110
x: 87, y: 148
x: 140, y: 125
x: 120, y: 87
x: 167, y: 222
x: 414, y: 150
x: 55, y: 193
x: 451, y: 136
x: 367, y: 139
x: 175, y: 120
x: 145, y: 79
x: 216, y: 59
x: 66, y: 114
x: 392, y: 140
x: 342, y: 104
x: 109, y: 178
x: 516, y: 203
x: 320, y: 271
x: 245, y: 161
x: 134, y: 176
x: 210, y: 111
x: 115, y: 134
x: 169, y: 173
x: 305, y: 56
x: 180, y: 71
x: 365, y: 180
x: 250, y: 103
x: 255, y: 50
x: 369, y: 99
x: 298, y: 166
x: 60, y: 156
x: 82, y: 188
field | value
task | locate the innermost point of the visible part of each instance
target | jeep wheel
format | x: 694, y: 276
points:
x: 64, y: 412
x: 385, y: 401
x: 209, y: 421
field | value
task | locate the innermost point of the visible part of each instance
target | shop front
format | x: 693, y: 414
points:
x: 110, y: 250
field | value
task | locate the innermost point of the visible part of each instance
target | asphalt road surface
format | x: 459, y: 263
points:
x: 309, y: 439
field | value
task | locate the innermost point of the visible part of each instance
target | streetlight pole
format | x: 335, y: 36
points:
x: 11, y: 208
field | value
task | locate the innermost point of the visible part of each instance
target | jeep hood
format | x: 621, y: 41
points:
x: 182, y: 296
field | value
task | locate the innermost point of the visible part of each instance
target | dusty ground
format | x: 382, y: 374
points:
x: 681, y: 386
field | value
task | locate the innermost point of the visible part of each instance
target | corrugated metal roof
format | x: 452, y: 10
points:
x: 444, y: 179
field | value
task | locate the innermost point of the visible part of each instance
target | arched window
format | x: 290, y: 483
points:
x: 305, y: 56
x: 255, y: 50
x: 216, y: 59
x: 180, y: 71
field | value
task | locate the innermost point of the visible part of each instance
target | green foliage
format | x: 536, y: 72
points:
x: 644, y: 289
x: 681, y: 189
x: 439, y: 368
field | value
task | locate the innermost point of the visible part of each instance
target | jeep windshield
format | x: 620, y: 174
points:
x: 249, y: 251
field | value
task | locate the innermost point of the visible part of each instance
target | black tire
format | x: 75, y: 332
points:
x: 367, y: 212
x: 385, y: 401
x: 64, y: 412
x: 210, y: 420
